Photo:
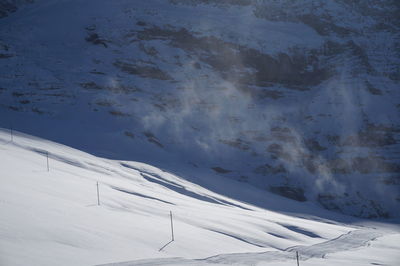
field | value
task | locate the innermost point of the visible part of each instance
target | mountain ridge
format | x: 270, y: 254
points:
x: 281, y: 95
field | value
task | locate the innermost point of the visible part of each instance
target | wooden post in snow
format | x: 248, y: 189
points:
x: 47, y: 158
x: 172, y: 226
x: 172, y: 232
x: 297, y: 258
x: 12, y: 134
x: 98, y: 194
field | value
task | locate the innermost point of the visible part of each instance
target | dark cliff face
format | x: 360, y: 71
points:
x: 299, y: 98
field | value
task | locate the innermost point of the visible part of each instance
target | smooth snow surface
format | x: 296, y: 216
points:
x: 52, y: 217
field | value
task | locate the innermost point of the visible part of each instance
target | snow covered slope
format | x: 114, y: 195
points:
x: 299, y: 98
x: 52, y: 217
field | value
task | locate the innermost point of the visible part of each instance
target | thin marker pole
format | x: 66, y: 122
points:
x: 12, y: 137
x: 98, y: 194
x: 297, y: 258
x: 172, y: 226
x: 47, y: 157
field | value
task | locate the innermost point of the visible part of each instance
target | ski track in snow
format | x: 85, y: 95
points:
x: 350, y: 240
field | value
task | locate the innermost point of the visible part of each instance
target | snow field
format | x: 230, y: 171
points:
x: 52, y: 218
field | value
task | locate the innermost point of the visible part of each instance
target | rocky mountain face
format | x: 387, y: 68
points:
x: 296, y: 97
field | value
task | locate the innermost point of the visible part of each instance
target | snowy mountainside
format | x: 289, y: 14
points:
x: 52, y: 217
x: 298, y: 98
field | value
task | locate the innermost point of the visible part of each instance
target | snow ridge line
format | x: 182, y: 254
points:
x: 350, y: 240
